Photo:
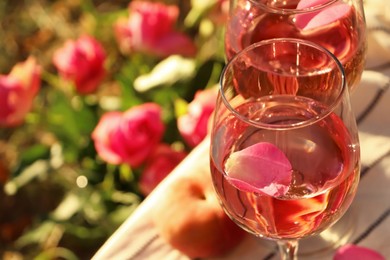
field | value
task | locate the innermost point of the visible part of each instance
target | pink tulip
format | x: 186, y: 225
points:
x: 17, y: 92
x: 354, y: 252
x: 193, y: 125
x: 150, y: 29
x: 129, y: 137
x: 161, y: 162
x: 81, y: 62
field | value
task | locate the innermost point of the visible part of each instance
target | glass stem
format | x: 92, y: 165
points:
x: 288, y: 249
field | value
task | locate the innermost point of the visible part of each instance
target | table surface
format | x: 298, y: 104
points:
x: 369, y: 217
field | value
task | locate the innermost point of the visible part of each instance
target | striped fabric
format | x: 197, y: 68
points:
x: 367, y: 223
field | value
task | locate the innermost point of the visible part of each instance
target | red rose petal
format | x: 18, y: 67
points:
x: 261, y: 168
x: 318, y: 19
x: 354, y: 252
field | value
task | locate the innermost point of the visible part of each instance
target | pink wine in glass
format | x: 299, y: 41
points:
x: 339, y: 27
x: 324, y: 160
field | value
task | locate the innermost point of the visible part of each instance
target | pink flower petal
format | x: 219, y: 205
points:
x: 175, y: 43
x: 102, y: 134
x: 354, y: 252
x: 324, y: 17
x: 303, y: 4
x: 193, y: 125
x: 17, y: 92
x: 261, y: 168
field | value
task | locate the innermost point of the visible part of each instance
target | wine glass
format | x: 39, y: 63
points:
x: 337, y: 25
x: 284, y: 156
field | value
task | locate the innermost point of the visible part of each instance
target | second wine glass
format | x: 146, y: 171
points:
x: 284, y: 156
x: 336, y: 25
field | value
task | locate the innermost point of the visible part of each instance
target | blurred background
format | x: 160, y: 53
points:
x: 58, y: 198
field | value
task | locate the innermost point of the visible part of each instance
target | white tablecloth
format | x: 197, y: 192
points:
x: 137, y: 238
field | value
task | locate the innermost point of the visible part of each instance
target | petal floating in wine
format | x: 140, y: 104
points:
x: 314, y: 20
x: 350, y: 251
x: 306, y: 4
x: 261, y: 168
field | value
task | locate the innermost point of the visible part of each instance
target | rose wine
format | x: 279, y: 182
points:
x: 325, y: 168
x: 344, y: 37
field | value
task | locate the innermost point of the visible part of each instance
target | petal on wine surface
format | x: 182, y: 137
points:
x: 310, y: 3
x: 261, y: 168
x: 319, y: 19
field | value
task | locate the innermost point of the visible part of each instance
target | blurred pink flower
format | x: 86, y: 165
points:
x: 193, y: 125
x: 130, y: 136
x: 82, y: 62
x: 17, y: 92
x: 354, y: 252
x: 150, y: 28
x: 161, y: 162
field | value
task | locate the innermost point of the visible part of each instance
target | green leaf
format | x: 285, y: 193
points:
x: 62, y: 119
x: 33, y: 153
x: 125, y: 79
x: 71, y: 121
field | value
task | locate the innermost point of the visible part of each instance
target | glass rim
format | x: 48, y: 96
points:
x: 328, y: 110
x: 283, y: 10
